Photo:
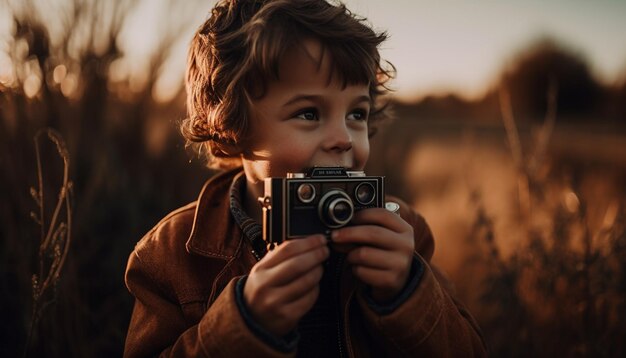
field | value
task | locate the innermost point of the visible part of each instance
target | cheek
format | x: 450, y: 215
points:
x: 361, y: 152
x: 292, y: 158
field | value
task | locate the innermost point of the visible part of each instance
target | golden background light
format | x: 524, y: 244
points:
x: 437, y: 46
x: 445, y: 46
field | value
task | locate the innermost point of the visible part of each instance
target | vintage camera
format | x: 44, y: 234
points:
x: 325, y: 198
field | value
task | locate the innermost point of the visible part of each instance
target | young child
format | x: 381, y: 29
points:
x: 278, y: 86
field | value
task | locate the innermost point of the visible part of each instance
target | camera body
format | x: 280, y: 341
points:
x: 323, y: 199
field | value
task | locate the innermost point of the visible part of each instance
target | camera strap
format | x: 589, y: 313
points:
x: 253, y: 232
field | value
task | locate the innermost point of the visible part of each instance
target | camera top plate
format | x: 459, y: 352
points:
x: 327, y: 172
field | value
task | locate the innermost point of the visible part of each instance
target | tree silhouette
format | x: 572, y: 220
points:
x: 528, y: 80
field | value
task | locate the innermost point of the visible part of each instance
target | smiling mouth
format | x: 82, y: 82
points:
x: 348, y: 163
x: 347, y: 167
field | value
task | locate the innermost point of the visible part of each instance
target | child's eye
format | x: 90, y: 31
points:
x: 308, y: 114
x: 358, y: 115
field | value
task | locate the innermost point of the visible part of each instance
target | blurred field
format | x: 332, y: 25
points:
x: 541, y: 280
x: 445, y: 166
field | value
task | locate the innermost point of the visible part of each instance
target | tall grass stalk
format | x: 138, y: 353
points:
x: 562, y: 291
x: 55, y: 236
x: 516, y: 150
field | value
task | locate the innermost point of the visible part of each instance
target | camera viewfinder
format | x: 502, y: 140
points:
x: 365, y: 193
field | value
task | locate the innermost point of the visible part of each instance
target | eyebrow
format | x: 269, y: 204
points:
x: 314, y: 98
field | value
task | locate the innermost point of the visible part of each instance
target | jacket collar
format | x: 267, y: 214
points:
x: 214, y: 233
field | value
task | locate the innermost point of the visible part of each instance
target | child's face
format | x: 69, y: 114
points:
x: 307, y: 118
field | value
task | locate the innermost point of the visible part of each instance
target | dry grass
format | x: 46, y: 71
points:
x: 55, y: 234
x: 532, y: 236
x: 124, y: 149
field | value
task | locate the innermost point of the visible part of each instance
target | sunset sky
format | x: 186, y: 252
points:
x: 461, y: 46
x: 437, y: 46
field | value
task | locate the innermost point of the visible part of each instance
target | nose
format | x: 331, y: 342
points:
x: 338, y: 138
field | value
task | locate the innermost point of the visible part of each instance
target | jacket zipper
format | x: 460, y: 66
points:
x: 339, y: 308
x: 343, y: 315
x: 346, y: 325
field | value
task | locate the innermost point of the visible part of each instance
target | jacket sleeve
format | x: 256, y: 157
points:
x: 158, y: 326
x: 431, y: 322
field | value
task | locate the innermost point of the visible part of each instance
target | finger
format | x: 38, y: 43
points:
x: 294, y: 310
x: 373, y: 235
x: 290, y: 248
x: 277, y: 297
x: 285, y: 316
x: 295, y: 267
x: 381, y: 217
x: 375, y: 258
x: 305, y: 283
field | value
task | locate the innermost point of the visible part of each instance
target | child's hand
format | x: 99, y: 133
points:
x: 380, y: 250
x: 284, y: 285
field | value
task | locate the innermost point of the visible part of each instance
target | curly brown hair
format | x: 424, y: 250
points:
x: 236, y: 52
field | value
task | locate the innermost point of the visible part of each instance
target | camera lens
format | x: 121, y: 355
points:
x: 335, y: 208
x: 340, y: 210
x: 365, y: 193
x: 306, y: 192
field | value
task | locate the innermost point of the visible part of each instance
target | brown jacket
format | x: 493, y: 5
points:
x: 183, y: 275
